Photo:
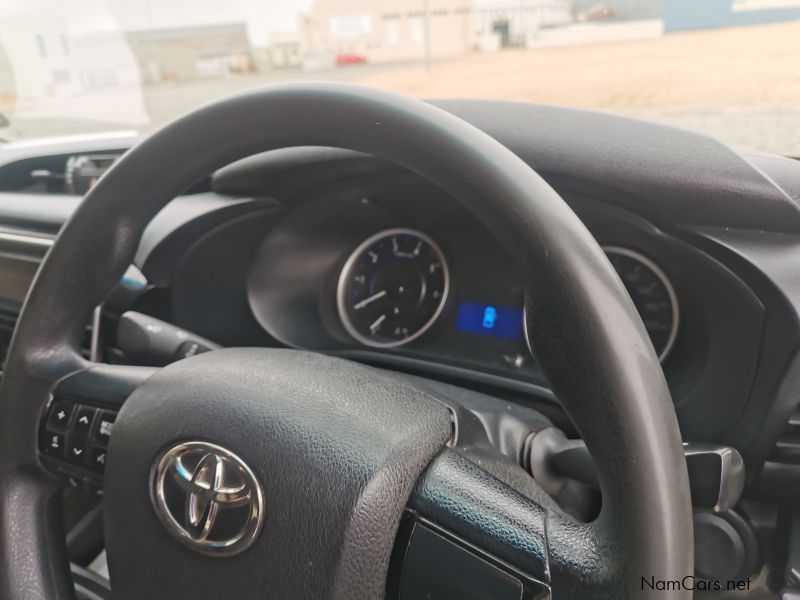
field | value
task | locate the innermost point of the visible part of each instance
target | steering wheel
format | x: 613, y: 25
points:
x: 319, y: 458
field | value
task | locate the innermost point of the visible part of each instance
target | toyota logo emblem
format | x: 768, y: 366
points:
x: 208, y: 498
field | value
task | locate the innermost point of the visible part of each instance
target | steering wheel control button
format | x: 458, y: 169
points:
x: 97, y: 459
x: 60, y: 414
x: 207, y: 498
x: 83, y: 421
x: 103, y: 428
x: 77, y: 436
x: 77, y: 450
x: 54, y: 444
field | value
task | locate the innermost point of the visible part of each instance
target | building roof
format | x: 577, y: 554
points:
x: 193, y: 31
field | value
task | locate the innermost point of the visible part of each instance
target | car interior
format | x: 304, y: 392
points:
x: 321, y: 340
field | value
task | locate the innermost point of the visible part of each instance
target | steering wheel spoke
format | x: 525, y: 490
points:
x: 103, y: 383
x: 460, y: 497
x: 78, y: 419
x: 513, y: 541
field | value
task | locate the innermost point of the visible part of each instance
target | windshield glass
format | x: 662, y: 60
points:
x: 730, y: 68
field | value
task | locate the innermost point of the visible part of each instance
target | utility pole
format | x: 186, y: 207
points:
x: 427, y: 17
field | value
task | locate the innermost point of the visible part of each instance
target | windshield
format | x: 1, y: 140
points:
x: 730, y: 68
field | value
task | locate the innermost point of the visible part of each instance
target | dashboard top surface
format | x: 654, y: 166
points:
x: 672, y: 176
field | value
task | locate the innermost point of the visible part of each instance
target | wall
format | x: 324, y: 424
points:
x: 188, y: 53
x: 383, y: 31
x: 630, y: 10
x: 40, y: 54
x: 523, y: 19
x: 684, y: 15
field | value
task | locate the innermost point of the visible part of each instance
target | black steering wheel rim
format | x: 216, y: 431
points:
x: 589, y: 338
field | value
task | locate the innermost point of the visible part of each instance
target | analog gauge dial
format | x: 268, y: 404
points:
x: 652, y: 293
x: 392, y: 288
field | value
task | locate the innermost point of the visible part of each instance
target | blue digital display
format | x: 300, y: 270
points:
x: 487, y: 319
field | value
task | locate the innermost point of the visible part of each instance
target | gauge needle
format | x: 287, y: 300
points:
x: 374, y: 327
x: 369, y: 300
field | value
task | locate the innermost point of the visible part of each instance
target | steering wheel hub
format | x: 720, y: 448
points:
x: 337, y: 445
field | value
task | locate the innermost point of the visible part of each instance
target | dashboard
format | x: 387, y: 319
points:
x: 344, y: 253
x: 390, y: 270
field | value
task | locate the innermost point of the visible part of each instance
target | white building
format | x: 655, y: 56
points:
x: 55, y: 67
x: 39, y: 58
x: 381, y: 31
x: 285, y: 50
x: 515, y: 23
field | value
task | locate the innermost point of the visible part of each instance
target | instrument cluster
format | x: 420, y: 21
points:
x: 406, y: 277
x: 395, y: 285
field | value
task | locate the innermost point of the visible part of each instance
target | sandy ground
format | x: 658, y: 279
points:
x: 746, y: 67
x: 742, y: 85
x: 739, y: 85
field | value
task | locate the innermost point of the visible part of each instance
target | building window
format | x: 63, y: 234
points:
x: 61, y: 76
x: 40, y: 43
x: 392, y: 30
x: 417, y: 28
x: 99, y: 79
x: 350, y: 26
